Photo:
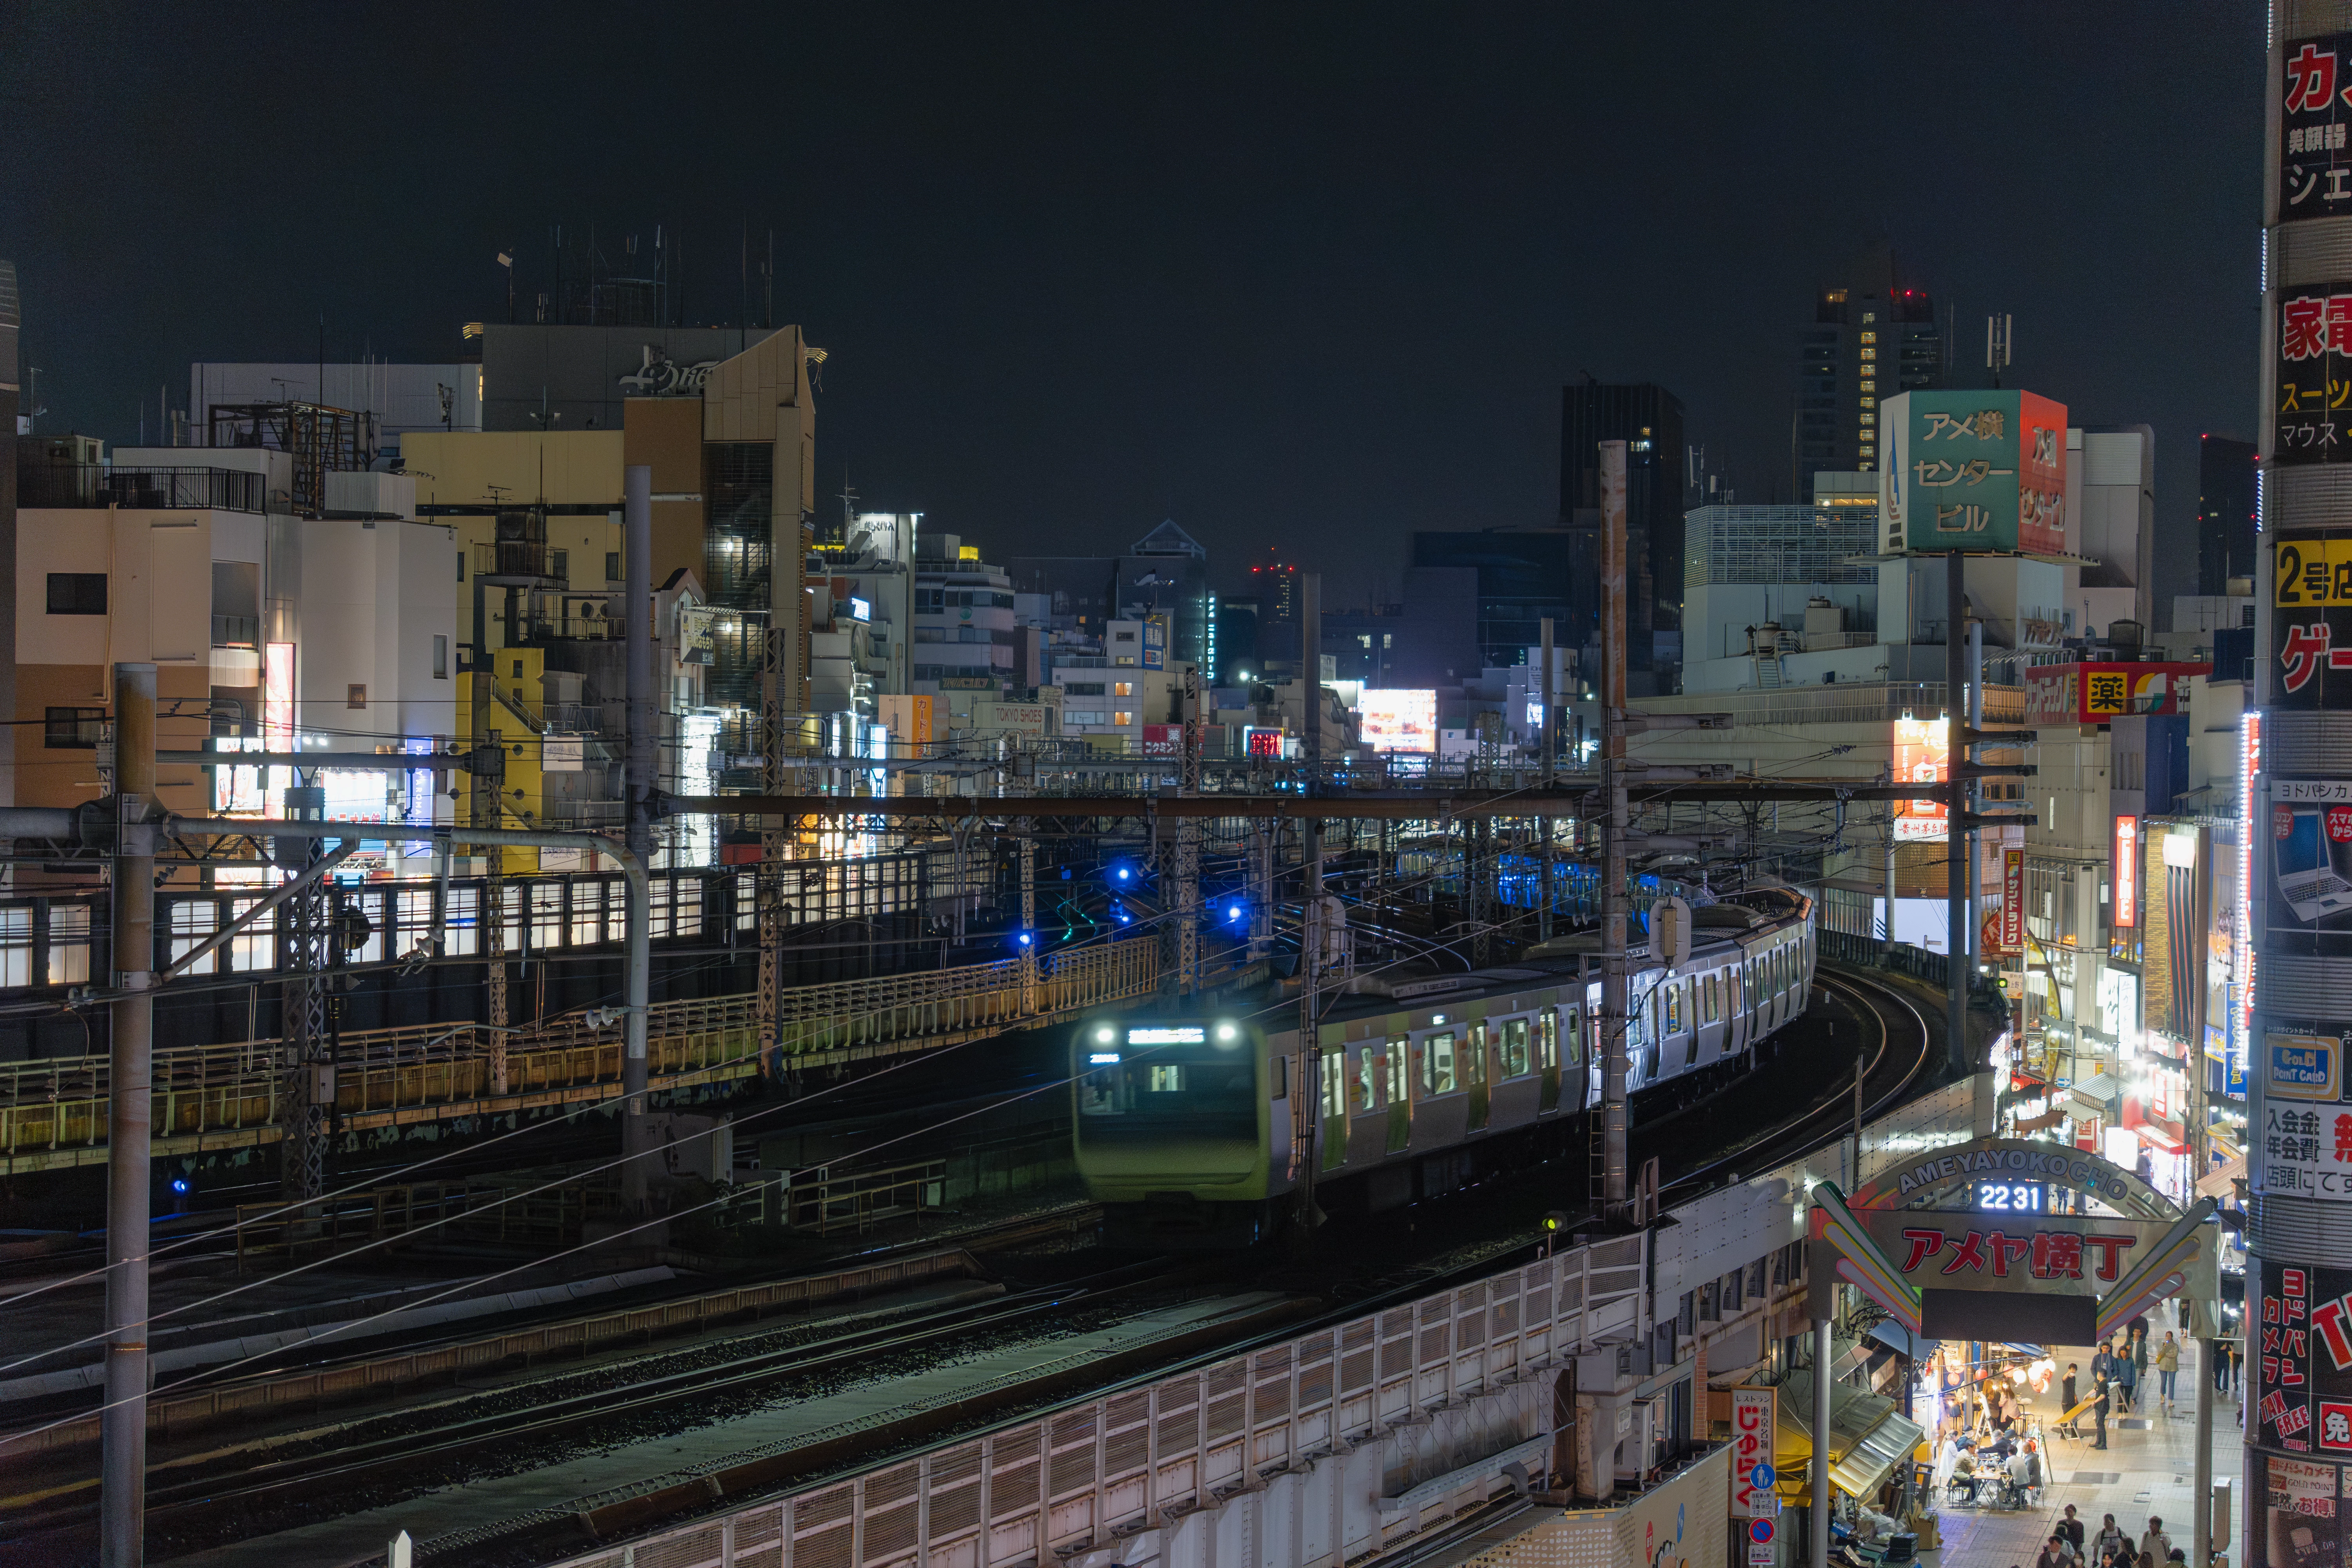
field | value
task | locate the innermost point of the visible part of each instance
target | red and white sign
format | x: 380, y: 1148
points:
x: 2123, y: 874
x: 1751, y: 1444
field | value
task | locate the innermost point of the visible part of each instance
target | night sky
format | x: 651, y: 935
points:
x: 1307, y: 276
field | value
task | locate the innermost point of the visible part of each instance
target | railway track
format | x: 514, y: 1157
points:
x: 230, y: 1491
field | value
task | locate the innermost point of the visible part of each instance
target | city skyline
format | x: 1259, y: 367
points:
x: 1328, y: 314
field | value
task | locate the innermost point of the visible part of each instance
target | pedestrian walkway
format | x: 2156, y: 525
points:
x: 2147, y: 1469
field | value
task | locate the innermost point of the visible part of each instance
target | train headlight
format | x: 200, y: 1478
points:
x: 1104, y: 1035
x: 1225, y: 1033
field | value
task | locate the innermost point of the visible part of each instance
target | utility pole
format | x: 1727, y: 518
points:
x: 1550, y: 740
x: 122, y: 1425
x: 489, y: 779
x: 642, y: 783
x: 307, y: 1079
x: 1821, y: 1292
x: 1306, y: 1117
x: 1956, y: 871
x: 1188, y: 842
x: 1612, y: 851
x: 1028, y: 919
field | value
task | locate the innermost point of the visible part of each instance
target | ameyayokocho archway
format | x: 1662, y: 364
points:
x: 2006, y: 1239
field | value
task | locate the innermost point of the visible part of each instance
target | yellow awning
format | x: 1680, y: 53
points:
x: 2218, y: 1181
x: 1868, y: 1435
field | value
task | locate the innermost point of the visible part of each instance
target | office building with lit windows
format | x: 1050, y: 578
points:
x: 1871, y: 337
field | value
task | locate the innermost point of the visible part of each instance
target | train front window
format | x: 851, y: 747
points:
x: 1179, y: 1091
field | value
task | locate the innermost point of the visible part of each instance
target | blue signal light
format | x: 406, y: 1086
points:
x: 180, y: 1183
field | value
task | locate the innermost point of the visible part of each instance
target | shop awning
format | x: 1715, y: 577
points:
x: 2158, y: 1133
x: 1902, y: 1341
x: 2219, y: 1181
x: 1868, y: 1435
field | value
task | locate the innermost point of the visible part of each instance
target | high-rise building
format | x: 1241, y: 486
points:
x: 1872, y: 336
x: 10, y: 428
x: 2225, y: 511
x: 1649, y: 420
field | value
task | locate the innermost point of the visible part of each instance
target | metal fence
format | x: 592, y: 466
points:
x: 149, y: 489
x: 1092, y: 1473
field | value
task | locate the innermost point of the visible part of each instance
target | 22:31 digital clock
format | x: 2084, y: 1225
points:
x: 2010, y: 1197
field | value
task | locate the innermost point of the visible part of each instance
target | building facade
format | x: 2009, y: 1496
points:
x: 1872, y: 336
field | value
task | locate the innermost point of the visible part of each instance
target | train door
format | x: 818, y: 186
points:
x: 1474, y: 1076
x: 1685, y: 1000
x: 1400, y: 1076
x: 1548, y: 1032
x: 1335, y: 1107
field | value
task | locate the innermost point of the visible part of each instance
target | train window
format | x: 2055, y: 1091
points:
x: 1714, y: 997
x: 1674, y: 1003
x: 1437, y: 1064
x: 1512, y: 1036
x: 1551, y: 1057
x: 1398, y: 1072
x: 1474, y: 1057
x: 1334, y: 1081
x: 1147, y: 1098
x: 1280, y: 1073
x: 1368, y: 1079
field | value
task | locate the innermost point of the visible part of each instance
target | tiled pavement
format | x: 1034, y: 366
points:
x: 2145, y: 1470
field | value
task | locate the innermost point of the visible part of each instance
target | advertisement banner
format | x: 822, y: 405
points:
x: 1752, y: 1416
x: 2012, y: 900
x: 2314, y: 362
x: 2299, y: 1359
x: 1399, y: 719
x: 2311, y: 620
x: 2299, y: 1524
x: 1981, y: 471
x: 2307, y: 868
x: 2315, y: 166
x: 1921, y: 752
x: 2123, y: 873
x: 2304, y: 1146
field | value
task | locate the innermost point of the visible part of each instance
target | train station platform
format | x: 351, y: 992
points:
x: 2147, y: 1469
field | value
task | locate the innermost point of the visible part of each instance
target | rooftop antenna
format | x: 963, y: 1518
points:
x: 1997, y: 345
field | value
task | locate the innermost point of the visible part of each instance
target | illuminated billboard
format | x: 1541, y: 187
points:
x: 1981, y: 472
x: 1921, y: 753
x: 1400, y: 720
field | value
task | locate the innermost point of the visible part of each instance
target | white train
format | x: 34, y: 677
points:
x: 1183, y: 1126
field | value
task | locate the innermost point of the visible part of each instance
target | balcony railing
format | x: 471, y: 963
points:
x: 149, y: 489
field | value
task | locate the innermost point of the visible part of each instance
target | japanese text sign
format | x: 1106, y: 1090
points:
x: 2123, y: 873
x: 2077, y: 1255
x: 2311, y: 622
x: 1922, y: 753
x: 2012, y: 900
x: 1751, y: 1445
x: 2314, y: 376
x: 1977, y: 471
x: 2101, y: 693
x: 2315, y: 100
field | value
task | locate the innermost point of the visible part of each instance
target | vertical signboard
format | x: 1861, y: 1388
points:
x: 2012, y: 900
x: 2123, y: 873
x: 2315, y: 166
x: 1751, y: 1453
x: 1922, y: 750
x: 278, y: 693
x: 2311, y: 618
x: 1981, y: 472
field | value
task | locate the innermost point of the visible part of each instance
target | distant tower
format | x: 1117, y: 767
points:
x: 1872, y: 336
x: 2225, y: 511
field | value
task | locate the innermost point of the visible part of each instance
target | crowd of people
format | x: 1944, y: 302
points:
x: 2112, y: 1547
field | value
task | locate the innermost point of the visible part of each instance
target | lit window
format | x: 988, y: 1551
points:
x: 1119, y: 718
x: 1870, y: 354
x: 1120, y: 689
x: 1869, y: 386
x: 1870, y: 337
x: 1869, y: 419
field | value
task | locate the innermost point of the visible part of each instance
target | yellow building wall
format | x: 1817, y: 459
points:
x: 515, y: 674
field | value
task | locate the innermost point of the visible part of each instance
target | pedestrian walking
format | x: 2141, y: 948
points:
x: 2155, y: 1546
x: 2071, y: 1528
x: 2112, y: 1540
x: 2100, y: 1399
x: 2167, y: 1368
x: 2127, y: 1383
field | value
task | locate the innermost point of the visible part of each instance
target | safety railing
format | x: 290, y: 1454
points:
x: 54, y: 1104
x: 1092, y: 1473
x: 821, y: 1203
